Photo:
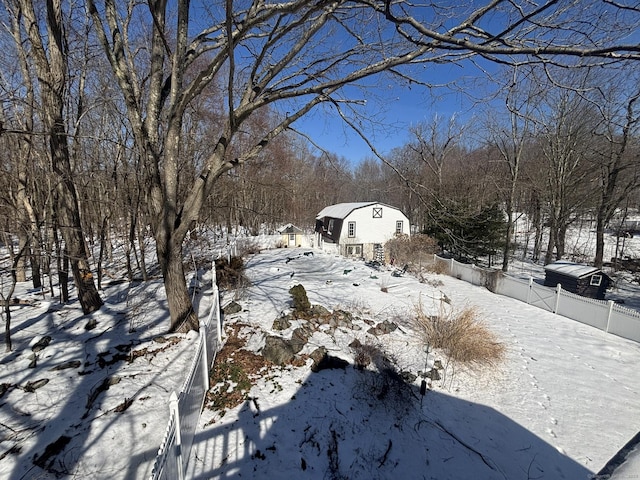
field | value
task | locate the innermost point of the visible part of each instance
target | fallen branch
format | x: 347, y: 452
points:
x: 384, y: 457
x: 467, y: 446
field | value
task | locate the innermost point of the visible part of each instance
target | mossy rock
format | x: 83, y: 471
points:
x: 300, y: 300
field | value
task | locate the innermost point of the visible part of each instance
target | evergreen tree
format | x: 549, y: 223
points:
x: 465, y: 232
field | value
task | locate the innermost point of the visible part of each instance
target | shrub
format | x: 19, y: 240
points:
x: 230, y: 274
x: 460, y: 334
x: 437, y: 267
x: 414, y: 251
x: 248, y: 246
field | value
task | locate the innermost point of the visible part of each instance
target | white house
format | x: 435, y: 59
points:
x: 359, y: 229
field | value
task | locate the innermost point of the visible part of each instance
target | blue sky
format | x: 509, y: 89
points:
x: 395, y: 110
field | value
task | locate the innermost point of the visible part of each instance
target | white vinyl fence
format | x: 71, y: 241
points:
x: 601, y: 314
x: 185, y: 406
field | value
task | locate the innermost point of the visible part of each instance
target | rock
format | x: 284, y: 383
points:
x: 300, y: 300
x: 281, y: 323
x: 69, y: 364
x: 317, y: 355
x: 231, y: 308
x: 41, y: 344
x: 91, y: 324
x: 383, y: 328
x: 433, y: 374
x: 278, y: 350
x: 342, y: 319
x: 299, y: 339
x: 408, y: 377
x: 319, y: 311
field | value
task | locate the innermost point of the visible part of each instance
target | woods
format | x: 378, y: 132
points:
x: 136, y: 124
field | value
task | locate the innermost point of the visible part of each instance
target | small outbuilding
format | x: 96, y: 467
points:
x: 583, y: 280
x: 292, y: 236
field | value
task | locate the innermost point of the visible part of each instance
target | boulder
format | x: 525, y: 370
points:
x: 232, y: 308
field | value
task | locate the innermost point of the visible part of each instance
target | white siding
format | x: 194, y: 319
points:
x: 371, y: 230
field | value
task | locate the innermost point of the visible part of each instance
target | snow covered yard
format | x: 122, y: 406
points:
x: 86, y: 396
x: 560, y: 405
x: 91, y: 401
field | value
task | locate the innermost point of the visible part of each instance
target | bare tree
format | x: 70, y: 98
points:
x: 282, y: 61
x: 274, y: 54
x: 616, y: 154
x: 510, y: 141
x: 565, y: 122
x: 435, y: 142
x: 45, y: 33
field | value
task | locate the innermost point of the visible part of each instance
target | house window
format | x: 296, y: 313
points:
x: 352, y: 229
x: 399, y: 227
x: 377, y: 212
x: 596, y: 280
x: 354, y: 250
x: 292, y: 238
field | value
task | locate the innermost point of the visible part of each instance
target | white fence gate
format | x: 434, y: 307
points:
x: 601, y: 314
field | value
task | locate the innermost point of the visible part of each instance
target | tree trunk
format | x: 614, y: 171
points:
x: 508, y: 231
x: 50, y: 60
x: 553, y: 236
x: 598, y: 261
x: 70, y: 226
x: 183, y: 317
x: 561, y: 241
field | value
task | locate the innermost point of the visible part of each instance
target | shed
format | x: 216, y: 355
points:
x: 583, y: 280
x: 292, y: 236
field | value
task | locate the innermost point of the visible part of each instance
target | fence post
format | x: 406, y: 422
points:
x: 218, y: 318
x: 175, y: 412
x: 216, y: 305
x: 559, y: 291
x: 529, y: 291
x: 205, y: 354
x: 609, y: 315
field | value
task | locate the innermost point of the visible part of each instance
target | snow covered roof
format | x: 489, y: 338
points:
x: 289, y: 228
x: 342, y: 210
x: 574, y: 270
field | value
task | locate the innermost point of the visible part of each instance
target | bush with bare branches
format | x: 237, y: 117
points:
x: 414, y: 251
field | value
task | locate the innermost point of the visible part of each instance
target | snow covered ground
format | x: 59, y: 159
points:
x: 93, y: 402
x: 89, y: 402
x: 562, y: 403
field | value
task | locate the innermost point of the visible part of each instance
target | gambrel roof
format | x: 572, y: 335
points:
x: 342, y: 210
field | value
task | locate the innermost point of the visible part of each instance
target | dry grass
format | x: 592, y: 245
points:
x: 461, y: 335
x: 437, y: 267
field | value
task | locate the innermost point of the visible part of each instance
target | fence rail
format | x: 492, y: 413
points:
x: 185, y: 406
x: 602, y: 314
